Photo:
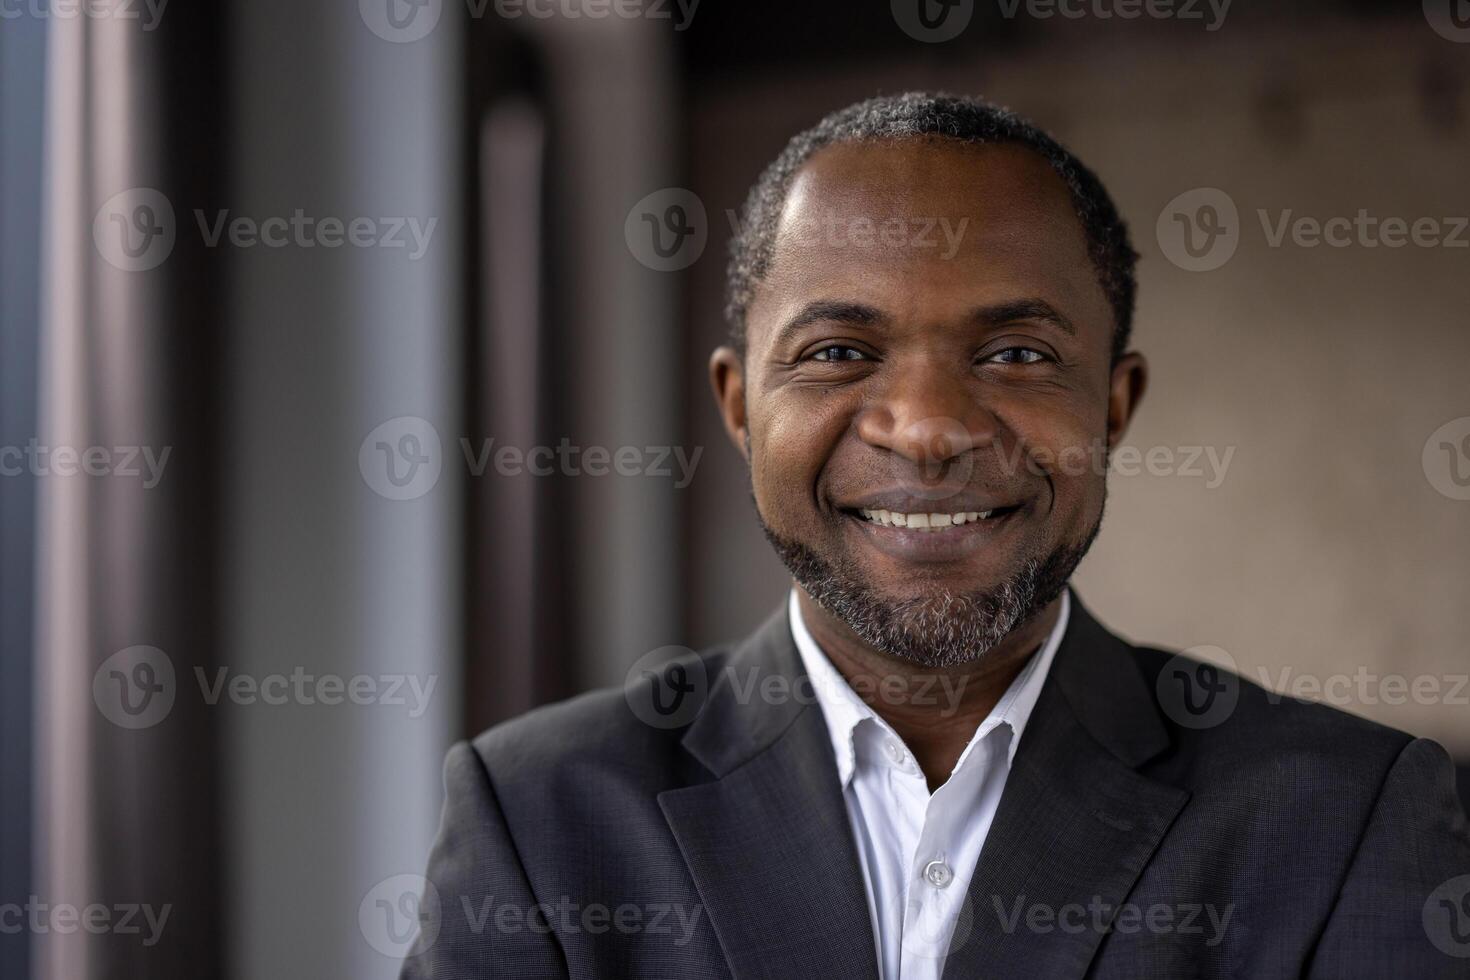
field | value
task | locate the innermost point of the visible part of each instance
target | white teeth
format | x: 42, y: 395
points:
x: 924, y: 522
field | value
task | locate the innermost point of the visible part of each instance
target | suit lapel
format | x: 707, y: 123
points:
x: 1076, y: 823
x: 772, y: 855
x: 768, y: 842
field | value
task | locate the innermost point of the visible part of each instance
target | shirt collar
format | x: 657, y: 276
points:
x: 843, y: 710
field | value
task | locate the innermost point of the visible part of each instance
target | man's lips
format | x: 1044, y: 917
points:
x: 928, y: 503
x: 931, y: 535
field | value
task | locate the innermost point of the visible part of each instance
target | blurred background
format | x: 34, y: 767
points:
x: 354, y: 398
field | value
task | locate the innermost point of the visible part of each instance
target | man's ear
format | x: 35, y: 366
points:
x: 727, y: 377
x: 1125, y: 391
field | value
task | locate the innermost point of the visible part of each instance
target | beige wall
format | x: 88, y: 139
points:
x: 1325, y: 549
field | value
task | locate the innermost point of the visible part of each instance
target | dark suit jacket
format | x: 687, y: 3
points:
x: 581, y: 841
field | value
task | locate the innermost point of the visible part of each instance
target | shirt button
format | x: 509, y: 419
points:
x: 896, y: 754
x: 938, y: 874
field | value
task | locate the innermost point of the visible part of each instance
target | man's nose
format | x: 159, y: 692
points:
x: 928, y: 414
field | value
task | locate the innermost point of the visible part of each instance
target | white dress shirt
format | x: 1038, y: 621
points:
x: 918, y: 849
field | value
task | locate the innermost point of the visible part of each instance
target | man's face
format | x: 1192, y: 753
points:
x: 931, y: 341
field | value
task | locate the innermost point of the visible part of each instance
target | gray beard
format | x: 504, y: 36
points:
x: 942, y: 628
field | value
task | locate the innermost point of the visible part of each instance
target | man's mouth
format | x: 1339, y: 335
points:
x: 930, y: 520
x: 913, y: 535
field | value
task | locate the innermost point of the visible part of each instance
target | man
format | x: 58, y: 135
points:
x: 932, y: 761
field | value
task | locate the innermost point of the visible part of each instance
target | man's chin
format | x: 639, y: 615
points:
x: 933, y: 622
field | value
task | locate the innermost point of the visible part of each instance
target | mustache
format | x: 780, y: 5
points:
x: 976, y: 480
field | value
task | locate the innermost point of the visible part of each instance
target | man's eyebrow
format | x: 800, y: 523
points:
x: 1032, y: 308
x: 829, y: 311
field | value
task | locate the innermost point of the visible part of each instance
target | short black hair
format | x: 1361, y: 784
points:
x: 930, y: 114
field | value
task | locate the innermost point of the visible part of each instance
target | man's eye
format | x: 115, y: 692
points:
x: 1017, y: 355
x: 837, y: 352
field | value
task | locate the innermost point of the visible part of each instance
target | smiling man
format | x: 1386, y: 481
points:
x: 932, y: 761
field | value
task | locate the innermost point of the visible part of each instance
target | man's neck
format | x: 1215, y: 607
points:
x: 935, y: 710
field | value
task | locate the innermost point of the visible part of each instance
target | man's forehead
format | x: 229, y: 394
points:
x: 928, y: 228
x: 936, y: 174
